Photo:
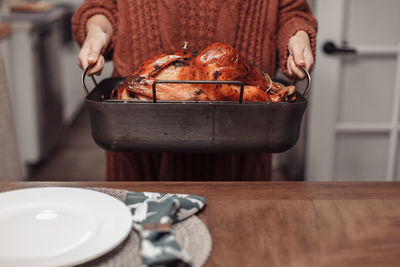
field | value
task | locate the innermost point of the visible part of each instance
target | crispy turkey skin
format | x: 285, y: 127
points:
x: 217, y: 62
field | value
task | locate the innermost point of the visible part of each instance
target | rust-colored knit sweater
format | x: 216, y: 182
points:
x: 145, y: 28
x: 259, y: 29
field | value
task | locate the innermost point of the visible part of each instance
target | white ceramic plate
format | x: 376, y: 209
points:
x: 59, y: 226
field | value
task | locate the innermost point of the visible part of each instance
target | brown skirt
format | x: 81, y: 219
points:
x: 138, y: 166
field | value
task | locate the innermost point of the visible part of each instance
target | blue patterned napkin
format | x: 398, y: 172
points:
x: 152, y: 215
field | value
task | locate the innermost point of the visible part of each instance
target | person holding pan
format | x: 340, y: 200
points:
x: 269, y: 33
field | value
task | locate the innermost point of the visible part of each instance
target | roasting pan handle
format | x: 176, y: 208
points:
x: 308, y: 77
x: 241, y: 84
x: 84, y: 76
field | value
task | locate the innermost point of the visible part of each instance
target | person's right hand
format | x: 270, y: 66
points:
x: 92, y: 49
x: 99, y: 31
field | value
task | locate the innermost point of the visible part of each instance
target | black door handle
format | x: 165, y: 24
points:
x: 330, y: 48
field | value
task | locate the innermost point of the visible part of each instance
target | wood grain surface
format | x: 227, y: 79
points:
x: 289, y: 223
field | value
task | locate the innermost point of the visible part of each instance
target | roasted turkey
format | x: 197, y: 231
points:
x: 217, y: 62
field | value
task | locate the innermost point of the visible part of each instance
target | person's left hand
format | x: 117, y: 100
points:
x: 300, y: 54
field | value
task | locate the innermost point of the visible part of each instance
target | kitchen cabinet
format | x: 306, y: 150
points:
x: 44, y: 80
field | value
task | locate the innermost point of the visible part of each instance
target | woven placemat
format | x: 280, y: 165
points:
x: 191, y: 234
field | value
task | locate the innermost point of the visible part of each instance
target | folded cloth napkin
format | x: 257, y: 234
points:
x: 152, y: 216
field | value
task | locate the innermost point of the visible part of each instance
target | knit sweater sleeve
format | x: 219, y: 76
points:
x: 294, y: 15
x: 88, y: 9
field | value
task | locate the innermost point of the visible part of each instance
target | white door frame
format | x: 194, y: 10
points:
x: 321, y: 127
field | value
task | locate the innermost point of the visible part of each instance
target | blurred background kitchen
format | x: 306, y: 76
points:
x: 350, y: 131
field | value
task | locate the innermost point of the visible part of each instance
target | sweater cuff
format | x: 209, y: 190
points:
x: 79, y: 22
x: 285, y: 33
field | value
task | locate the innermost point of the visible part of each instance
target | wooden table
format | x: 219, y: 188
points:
x: 288, y: 224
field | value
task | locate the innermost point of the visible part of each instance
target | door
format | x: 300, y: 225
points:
x: 353, y: 128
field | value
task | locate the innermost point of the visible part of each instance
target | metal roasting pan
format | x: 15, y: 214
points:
x: 186, y: 126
